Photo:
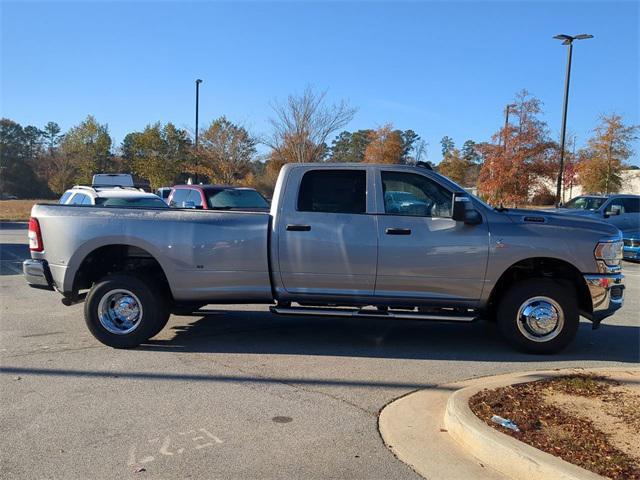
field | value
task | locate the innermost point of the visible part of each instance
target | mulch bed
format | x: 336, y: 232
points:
x: 551, y: 429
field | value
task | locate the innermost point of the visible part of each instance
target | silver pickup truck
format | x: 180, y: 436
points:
x: 355, y: 240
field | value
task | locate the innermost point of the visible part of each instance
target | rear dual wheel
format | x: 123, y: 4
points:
x: 124, y: 310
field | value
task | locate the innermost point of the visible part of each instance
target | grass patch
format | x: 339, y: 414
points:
x: 18, y: 210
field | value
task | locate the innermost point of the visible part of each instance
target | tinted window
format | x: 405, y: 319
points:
x: 631, y: 205
x: 616, y: 202
x: 236, y: 198
x: 195, y: 197
x: 131, y: 202
x: 65, y: 197
x: 585, y: 203
x: 333, y: 191
x: 179, y: 197
x: 412, y: 194
x: 78, y: 199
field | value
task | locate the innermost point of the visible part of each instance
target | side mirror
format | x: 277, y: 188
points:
x: 472, y: 217
x: 463, y: 210
x: 189, y: 204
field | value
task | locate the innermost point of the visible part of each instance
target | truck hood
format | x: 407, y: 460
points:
x: 554, y: 218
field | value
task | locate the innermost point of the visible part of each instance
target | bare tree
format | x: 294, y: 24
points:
x: 303, y: 124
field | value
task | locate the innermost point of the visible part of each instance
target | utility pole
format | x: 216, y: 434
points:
x: 566, y: 40
x: 198, y: 82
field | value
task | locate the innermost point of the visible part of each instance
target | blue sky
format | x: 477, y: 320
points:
x: 439, y: 68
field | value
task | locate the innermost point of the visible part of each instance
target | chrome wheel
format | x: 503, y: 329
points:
x: 540, y: 319
x: 120, y: 311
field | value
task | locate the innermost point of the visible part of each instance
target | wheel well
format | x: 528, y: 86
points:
x: 542, y: 267
x: 118, y: 258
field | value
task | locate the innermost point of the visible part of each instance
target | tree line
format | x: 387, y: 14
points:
x: 513, y: 167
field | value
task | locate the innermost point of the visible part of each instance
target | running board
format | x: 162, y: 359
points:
x: 343, y: 312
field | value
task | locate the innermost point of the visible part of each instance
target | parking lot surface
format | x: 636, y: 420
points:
x: 240, y: 393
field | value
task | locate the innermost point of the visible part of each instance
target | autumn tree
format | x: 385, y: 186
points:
x: 520, y: 157
x: 158, y: 153
x: 604, y: 158
x: 302, y: 126
x: 385, y: 146
x: 455, y: 166
x: 86, y: 150
x: 226, y: 151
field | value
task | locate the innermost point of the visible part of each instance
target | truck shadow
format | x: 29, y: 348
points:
x: 260, y: 332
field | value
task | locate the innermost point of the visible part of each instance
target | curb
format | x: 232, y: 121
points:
x: 501, y: 452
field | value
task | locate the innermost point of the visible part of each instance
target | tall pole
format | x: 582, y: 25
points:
x: 506, y: 124
x: 564, y: 122
x: 566, y: 40
x: 198, y: 82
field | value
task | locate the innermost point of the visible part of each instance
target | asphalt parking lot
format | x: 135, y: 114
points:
x: 240, y: 393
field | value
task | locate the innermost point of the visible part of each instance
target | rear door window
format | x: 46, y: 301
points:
x: 333, y: 191
x: 631, y: 205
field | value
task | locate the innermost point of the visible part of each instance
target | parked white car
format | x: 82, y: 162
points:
x: 111, y: 197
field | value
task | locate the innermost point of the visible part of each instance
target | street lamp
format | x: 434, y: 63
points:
x: 566, y: 40
x: 506, y: 123
x: 198, y: 82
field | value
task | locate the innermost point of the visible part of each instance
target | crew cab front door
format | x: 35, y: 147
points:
x: 423, y: 253
x: 327, y: 243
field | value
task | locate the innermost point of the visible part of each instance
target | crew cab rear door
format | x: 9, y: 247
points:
x: 423, y: 253
x: 327, y: 240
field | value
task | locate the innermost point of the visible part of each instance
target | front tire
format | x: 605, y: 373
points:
x: 124, y: 310
x: 539, y: 315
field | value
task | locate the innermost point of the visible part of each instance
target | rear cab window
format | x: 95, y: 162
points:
x: 333, y: 191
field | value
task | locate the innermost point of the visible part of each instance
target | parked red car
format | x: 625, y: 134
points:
x: 217, y: 197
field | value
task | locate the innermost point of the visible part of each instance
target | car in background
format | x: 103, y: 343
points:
x: 163, y: 193
x: 111, y: 197
x: 621, y: 210
x: 217, y: 197
x: 631, y: 248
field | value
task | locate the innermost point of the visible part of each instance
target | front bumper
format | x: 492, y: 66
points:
x: 37, y: 274
x: 607, y: 295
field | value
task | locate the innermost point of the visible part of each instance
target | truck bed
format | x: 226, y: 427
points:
x: 205, y: 255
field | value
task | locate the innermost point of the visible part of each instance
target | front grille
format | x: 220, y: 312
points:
x: 631, y: 242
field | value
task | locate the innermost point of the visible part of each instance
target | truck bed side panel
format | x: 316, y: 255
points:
x: 205, y: 255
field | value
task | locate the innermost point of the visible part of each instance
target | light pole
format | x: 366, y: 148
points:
x: 198, y: 82
x: 566, y: 40
x: 506, y: 123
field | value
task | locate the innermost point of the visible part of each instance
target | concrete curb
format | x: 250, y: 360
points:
x: 501, y: 452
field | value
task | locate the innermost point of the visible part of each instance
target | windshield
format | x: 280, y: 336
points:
x: 234, y: 198
x: 585, y: 203
x: 131, y: 202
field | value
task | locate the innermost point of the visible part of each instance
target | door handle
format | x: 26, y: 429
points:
x: 398, y: 231
x: 298, y: 228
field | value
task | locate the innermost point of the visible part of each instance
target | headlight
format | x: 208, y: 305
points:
x: 609, y: 252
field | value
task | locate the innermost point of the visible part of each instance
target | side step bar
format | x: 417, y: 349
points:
x: 343, y: 312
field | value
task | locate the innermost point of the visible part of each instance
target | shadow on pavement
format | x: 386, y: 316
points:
x: 57, y: 372
x: 11, y: 257
x: 264, y: 333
